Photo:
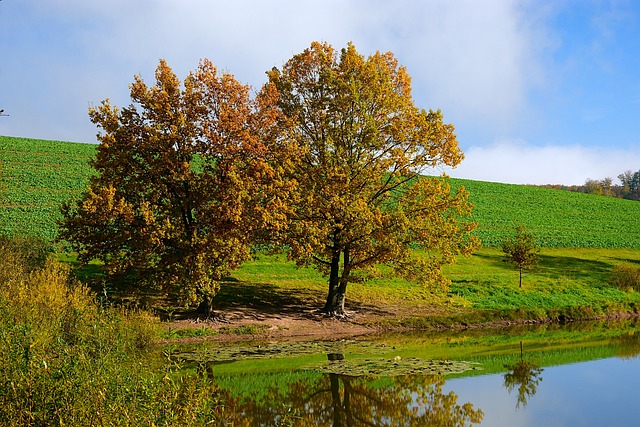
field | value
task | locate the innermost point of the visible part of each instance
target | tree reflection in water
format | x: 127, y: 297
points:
x: 411, y: 400
x: 345, y: 401
x: 525, y: 375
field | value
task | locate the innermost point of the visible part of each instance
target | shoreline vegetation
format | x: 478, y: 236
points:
x: 270, y: 298
x: 568, y: 285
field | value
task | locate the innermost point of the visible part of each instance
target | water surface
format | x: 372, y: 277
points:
x: 576, y: 375
x: 594, y: 393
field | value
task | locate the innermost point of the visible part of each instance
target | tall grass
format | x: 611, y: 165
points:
x: 626, y: 277
x: 66, y: 359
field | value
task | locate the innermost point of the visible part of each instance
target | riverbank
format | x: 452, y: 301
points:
x: 250, y: 325
x: 269, y: 298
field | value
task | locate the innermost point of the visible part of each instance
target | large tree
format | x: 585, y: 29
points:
x: 360, y: 198
x: 184, y: 179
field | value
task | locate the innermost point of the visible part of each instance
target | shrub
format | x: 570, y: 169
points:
x: 20, y: 256
x: 626, y: 277
x: 67, y: 360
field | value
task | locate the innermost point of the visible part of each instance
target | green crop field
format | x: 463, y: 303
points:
x: 36, y: 176
x: 557, y: 218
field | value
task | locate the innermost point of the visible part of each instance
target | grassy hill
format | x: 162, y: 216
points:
x: 36, y: 176
x: 558, y: 218
x: 585, y: 238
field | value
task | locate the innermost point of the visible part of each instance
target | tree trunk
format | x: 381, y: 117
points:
x: 346, y: 401
x: 338, y: 285
x: 337, y: 303
x: 206, y: 307
x: 336, y: 401
x: 520, y: 276
x: 334, y: 281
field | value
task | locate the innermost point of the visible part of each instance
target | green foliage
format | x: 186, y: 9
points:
x: 626, y: 277
x: 244, y: 330
x: 521, y: 249
x: 189, y: 333
x: 186, y: 176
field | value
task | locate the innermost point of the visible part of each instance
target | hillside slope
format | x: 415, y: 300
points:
x: 36, y: 176
x: 557, y: 218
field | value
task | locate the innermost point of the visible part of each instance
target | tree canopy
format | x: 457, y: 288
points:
x: 360, y: 198
x: 186, y: 177
x: 326, y: 161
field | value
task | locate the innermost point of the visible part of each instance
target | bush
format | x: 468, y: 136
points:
x: 626, y: 277
x: 21, y: 255
x: 67, y: 360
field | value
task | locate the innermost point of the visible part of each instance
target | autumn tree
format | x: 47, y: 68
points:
x: 184, y: 178
x: 360, y: 198
x: 521, y: 249
x: 602, y: 187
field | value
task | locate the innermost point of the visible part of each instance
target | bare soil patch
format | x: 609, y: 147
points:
x: 259, y: 311
x: 295, y: 322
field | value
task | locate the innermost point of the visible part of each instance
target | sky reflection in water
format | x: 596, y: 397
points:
x: 595, y: 393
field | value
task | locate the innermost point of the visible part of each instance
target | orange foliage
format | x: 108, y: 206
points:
x: 186, y: 176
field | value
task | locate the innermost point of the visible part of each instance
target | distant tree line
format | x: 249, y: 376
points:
x: 629, y: 187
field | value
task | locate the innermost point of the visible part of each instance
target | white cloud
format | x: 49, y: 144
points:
x: 518, y: 162
x: 475, y: 60
x: 478, y: 61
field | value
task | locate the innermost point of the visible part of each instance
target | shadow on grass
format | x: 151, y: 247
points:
x: 557, y: 266
x: 627, y: 261
x: 264, y: 297
x: 270, y: 299
x: 233, y: 295
x: 578, y: 268
x: 494, y: 260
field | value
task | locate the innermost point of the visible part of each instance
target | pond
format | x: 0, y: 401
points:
x: 595, y: 393
x: 575, y: 375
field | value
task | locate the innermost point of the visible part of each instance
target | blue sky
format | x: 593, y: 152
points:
x: 539, y: 91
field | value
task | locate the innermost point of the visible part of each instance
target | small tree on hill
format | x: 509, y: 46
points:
x: 521, y: 249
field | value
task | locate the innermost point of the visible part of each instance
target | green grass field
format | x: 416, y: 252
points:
x: 568, y: 283
x: 583, y: 238
x: 557, y: 218
x: 36, y: 176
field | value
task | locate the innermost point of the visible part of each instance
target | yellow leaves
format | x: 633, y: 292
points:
x: 324, y: 158
x: 188, y: 174
x: 102, y: 203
